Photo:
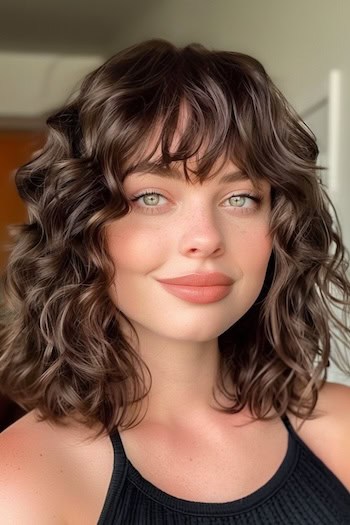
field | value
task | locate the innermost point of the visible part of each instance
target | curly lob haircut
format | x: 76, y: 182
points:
x: 62, y: 348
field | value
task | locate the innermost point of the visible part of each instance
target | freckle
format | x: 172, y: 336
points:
x: 40, y: 454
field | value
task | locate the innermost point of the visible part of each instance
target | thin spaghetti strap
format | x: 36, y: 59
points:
x: 287, y: 423
x: 118, y: 445
x: 117, y: 480
x: 291, y: 429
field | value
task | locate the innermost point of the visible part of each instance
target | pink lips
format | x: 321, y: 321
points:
x: 199, y: 288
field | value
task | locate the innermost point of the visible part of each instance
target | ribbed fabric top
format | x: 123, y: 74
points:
x: 303, y: 491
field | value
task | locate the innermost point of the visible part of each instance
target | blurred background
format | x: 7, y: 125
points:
x: 46, y: 48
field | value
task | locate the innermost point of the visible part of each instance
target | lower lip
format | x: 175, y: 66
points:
x: 198, y: 294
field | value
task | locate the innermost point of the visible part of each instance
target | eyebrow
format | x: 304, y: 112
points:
x: 151, y: 169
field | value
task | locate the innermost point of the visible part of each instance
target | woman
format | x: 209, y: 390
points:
x: 167, y: 323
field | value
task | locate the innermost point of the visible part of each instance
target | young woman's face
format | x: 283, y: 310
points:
x: 182, y: 228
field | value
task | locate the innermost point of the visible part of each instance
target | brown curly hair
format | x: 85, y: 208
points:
x: 62, y: 350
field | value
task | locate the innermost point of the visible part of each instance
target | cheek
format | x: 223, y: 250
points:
x: 133, y: 249
x: 252, y: 263
x: 256, y: 251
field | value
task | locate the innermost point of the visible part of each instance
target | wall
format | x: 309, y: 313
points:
x: 34, y: 83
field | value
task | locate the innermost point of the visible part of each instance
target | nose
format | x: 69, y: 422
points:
x: 201, y: 234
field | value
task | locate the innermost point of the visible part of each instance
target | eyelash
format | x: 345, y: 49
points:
x: 154, y: 209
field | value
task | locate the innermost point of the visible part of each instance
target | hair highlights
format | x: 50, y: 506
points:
x: 62, y: 350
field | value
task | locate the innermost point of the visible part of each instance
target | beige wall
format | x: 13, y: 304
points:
x: 35, y: 83
x: 297, y: 40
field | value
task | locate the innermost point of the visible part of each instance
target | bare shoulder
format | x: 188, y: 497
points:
x: 43, y: 467
x: 26, y: 489
x: 328, y: 436
x: 334, y: 398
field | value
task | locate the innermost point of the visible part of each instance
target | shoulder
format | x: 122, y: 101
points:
x: 328, y: 436
x: 334, y: 397
x: 25, y: 480
x: 41, y: 466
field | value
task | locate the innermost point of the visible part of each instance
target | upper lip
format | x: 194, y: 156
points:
x: 200, y: 279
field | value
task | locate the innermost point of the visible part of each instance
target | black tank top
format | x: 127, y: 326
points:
x: 303, y: 491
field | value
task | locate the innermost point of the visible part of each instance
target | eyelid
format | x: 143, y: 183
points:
x: 255, y: 197
x: 136, y: 196
x: 248, y: 192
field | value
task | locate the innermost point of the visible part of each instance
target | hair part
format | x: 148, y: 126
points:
x: 62, y: 348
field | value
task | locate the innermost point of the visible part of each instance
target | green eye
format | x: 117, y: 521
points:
x: 232, y: 199
x: 151, y: 198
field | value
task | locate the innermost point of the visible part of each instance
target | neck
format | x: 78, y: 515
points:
x: 184, y: 377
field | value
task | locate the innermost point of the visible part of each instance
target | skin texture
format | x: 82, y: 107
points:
x: 189, y: 228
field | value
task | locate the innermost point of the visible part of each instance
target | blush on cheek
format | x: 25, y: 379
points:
x: 135, y: 254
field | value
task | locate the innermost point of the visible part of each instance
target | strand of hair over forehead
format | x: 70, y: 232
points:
x: 192, y: 89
